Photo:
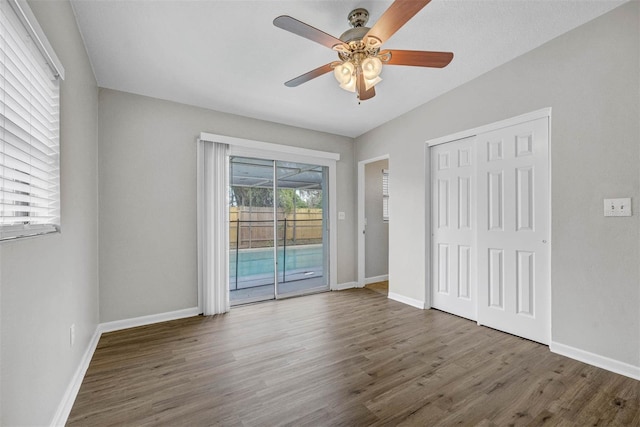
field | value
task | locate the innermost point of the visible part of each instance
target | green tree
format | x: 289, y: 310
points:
x: 288, y: 199
x: 251, y: 196
x: 312, y: 198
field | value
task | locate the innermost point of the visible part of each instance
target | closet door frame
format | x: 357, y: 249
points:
x: 471, y: 133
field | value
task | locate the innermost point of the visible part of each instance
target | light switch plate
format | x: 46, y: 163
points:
x: 617, y: 207
x: 341, y: 215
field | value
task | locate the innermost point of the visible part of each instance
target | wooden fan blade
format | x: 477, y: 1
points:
x: 310, y: 75
x: 395, y: 17
x: 367, y: 94
x: 363, y: 93
x: 419, y: 58
x: 307, y: 31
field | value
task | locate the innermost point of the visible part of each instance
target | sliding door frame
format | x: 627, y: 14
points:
x: 265, y: 150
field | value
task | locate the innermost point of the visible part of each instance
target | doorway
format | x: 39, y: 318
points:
x: 373, y: 223
x: 278, y: 229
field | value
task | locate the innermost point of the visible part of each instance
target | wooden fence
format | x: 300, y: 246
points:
x: 253, y: 227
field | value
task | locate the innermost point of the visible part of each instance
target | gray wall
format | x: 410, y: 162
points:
x: 50, y: 282
x: 590, y: 77
x: 147, y: 201
x: 147, y: 154
x: 377, y: 237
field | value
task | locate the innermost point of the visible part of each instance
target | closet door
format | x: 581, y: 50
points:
x: 513, y: 230
x: 453, y: 228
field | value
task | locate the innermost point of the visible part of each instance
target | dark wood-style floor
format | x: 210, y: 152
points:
x: 347, y: 358
x: 379, y: 287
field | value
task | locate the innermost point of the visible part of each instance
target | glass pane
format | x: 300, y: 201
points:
x: 302, y: 238
x: 251, y: 228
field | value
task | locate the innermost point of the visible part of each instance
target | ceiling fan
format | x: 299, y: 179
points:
x: 358, y: 48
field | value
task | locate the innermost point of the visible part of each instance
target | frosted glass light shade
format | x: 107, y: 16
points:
x: 350, y: 85
x: 344, y: 72
x: 371, y: 68
x: 369, y: 83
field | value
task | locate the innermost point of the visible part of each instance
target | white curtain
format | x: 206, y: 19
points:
x: 213, y: 227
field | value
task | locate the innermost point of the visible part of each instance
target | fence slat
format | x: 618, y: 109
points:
x: 256, y: 226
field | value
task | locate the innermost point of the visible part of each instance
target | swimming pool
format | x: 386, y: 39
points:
x: 255, y: 266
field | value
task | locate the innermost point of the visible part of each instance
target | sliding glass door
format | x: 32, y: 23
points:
x: 251, y: 230
x: 302, y: 237
x: 278, y: 229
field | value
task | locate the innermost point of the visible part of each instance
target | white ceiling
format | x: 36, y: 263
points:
x: 228, y: 56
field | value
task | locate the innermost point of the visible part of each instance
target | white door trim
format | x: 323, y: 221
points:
x: 361, y: 226
x: 538, y: 114
x: 255, y: 146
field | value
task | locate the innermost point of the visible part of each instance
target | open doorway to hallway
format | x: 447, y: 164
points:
x: 374, y: 218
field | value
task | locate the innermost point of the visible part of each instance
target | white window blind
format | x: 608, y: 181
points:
x: 29, y: 127
x: 385, y: 195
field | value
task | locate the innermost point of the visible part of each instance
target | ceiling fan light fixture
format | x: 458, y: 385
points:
x: 344, y: 73
x: 369, y: 83
x: 371, y: 67
x: 349, y: 86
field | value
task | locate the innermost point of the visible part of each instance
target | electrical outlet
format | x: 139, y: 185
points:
x: 72, y: 334
x: 617, y: 207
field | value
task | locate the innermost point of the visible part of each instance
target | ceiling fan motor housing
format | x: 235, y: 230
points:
x: 358, y: 17
x: 354, y: 37
x: 354, y: 34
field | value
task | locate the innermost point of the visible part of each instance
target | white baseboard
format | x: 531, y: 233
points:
x: 343, y: 286
x: 147, y: 320
x: 64, y: 409
x: 603, y: 362
x: 406, y: 300
x: 376, y: 279
x: 69, y: 397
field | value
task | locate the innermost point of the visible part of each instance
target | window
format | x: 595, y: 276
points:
x: 29, y: 126
x: 385, y: 195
